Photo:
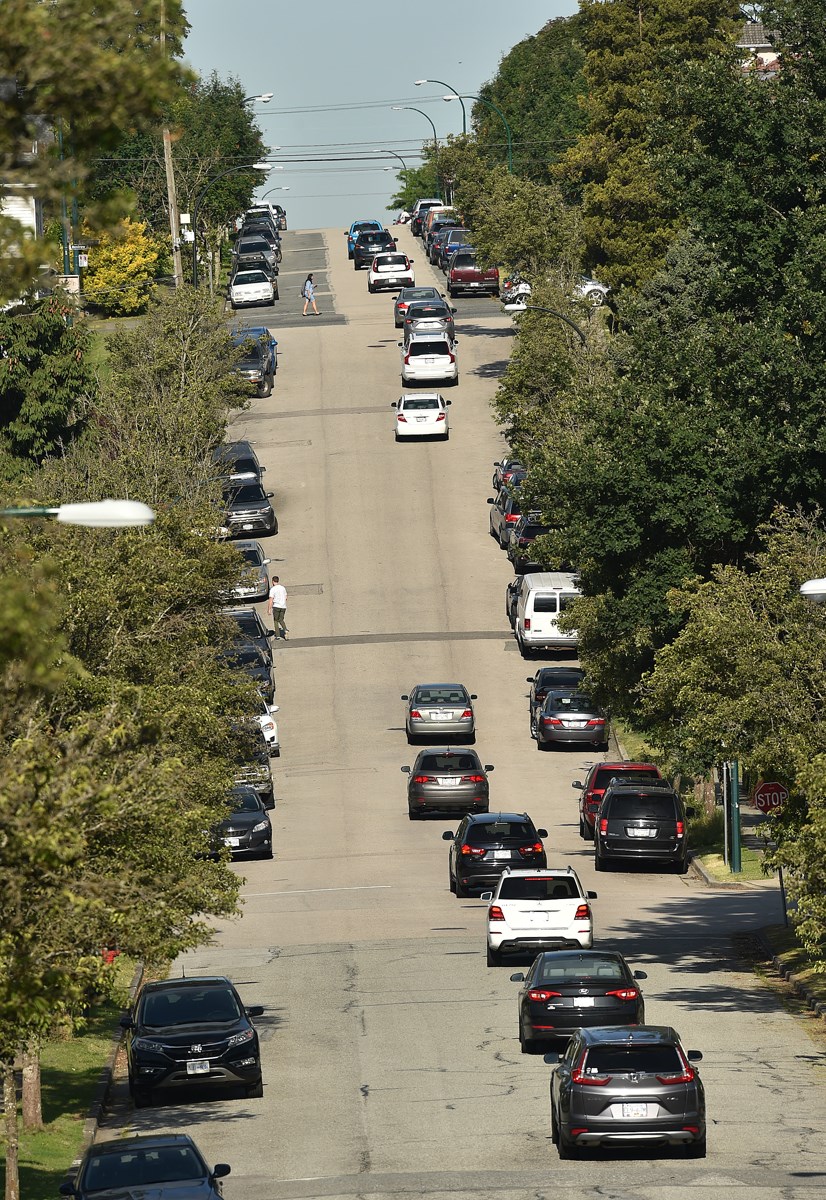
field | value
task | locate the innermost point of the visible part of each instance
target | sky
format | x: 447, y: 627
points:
x: 335, y: 69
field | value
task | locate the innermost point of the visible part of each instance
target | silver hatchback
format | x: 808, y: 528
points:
x: 440, y: 710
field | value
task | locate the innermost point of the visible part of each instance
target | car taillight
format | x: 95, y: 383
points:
x: 578, y: 1074
x: 415, y: 714
x: 603, y: 825
x: 424, y: 779
x: 527, y: 624
x: 687, y: 1075
x: 583, y: 913
x: 536, y: 848
x: 524, y: 541
x: 624, y: 993
x: 680, y: 829
x: 401, y: 417
x: 473, y: 779
x: 407, y: 359
x: 495, y: 913
x: 451, y: 356
x: 476, y: 850
x: 440, y: 417
x: 466, y: 715
x: 597, y: 721
x: 551, y: 721
x: 512, y: 518
x: 541, y: 994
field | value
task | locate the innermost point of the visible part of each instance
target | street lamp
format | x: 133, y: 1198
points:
x: 395, y: 155
x: 275, y: 189
x: 407, y: 108
x: 518, y: 308
x: 258, y: 166
x: 102, y: 514
x: 496, y: 109
x: 814, y: 589
x: 441, y: 83
x: 264, y: 97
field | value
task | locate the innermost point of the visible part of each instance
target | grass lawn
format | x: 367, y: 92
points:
x: 70, y: 1072
x: 634, y: 745
x: 750, y: 860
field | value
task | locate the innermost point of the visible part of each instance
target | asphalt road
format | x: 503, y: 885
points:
x: 392, y: 1063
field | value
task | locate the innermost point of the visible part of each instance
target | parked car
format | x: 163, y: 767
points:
x: 630, y: 1086
x: 255, y: 365
x: 566, y: 990
x: 369, y: 243
x: 453, y: 240
x: 182, y: 1032
x: 443, y: 779
x: 253, y: 768
x: 465, y: 275
x: 505, y: 511
x: 421, y: 414
x: 356, y: 228
x: 246, y: 829
x: 429, y: 358
x: 440, y: 710
x: 437, y: 242
x: 254, y: 584
x: 419, y: 211
x: 548, y: 679
x: 244, y: 655
x: 269, y: 727
x: 252, y: 289
x: 641, y: 823
x: 238, y: 462
x: 508, y: 472
x: 250, y: 251
x: 252, y: 628
x: 389, y: 271
x: 486, y: 843
x: 408, y: 296
x: 247, y: 509
x: 154, y: 1165
x: 543, y: 597
x: 570, y: 719
x: 262, y: 229
x: 592, y: 290
x: 597, y: 780
x: 533, y: 910
x: 529, y: 527
x: 429, y: 316
x: 438, y: 225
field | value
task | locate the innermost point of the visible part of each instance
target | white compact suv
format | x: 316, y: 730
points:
x: 538, y: 910
x: 390, y: 271
x: 429, y: 358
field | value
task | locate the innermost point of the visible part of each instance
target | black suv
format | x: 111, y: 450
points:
x: 238, y: 461
x: 627, y: 1087
x: 486, y: 843
x: 191, y: 1031
x: 370, y: 243
x: 643, y: 823
x: 256, y: 364
x: 245, y: 655
x: 247, y: 509
x: 252, y: 628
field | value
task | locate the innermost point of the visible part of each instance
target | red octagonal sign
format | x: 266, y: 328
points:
x: 768, y: 796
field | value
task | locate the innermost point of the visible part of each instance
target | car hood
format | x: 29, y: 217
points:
x: 188, y: 1035
x: 199, y: 1189
x: 241, y: 820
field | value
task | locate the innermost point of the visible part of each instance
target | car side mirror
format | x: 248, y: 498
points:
x: 346, y: 231
x: 551, y: 1058
x: 529, y: 679
x: 405, y: 697
x: 640, y: 975
x: 255, y: 1010
x: 690, y: 811
x: 269, y: 805
x: 399, y: 343
x: 270, y: 633
x: 453, y: 310
x: 406, y: 770
x: 491, y: 500
x: 489, y: 767
x: 273, y: 708
x: 592, y: 896
x: 448, y: 401
x: 577, y: 784
x: 393, y: 403
x: 411, y: 260
x: 67, y: 1188
x: 695, y: 1056
x: 126, y: 1021
x: 266, y: 562
x: 220, y: 1170
x: 270, y: 495
x: 473, y: 696
x: 542, y: 833
x: 518, y: 977
x: 447, y: 836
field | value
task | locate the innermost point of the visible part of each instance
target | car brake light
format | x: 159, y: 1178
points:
x: 551, y: 721
x: 541, y: 994
x: 415, y: 714
x: 597, y: 721
x: 473, y: 779
x: 687, y: 1075
x: 624, y: 993
x: 536, y: 848
x: 452, y: 357
x: 583, y: 913
x: 424, y: 779
x: 578, y: 1075
x: 440, y: 417
x: 495, y: 913
x: 527, y: 624
x: 603, y: 825
x: 680, y: 829
x: 407, y: 359
x: 401, y: 417
x: 512, y: 518
x: 466, y: 715
x: 477, y: 850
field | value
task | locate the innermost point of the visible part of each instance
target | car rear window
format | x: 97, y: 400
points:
x: 553, y: 677
x: 461, y: 259
x: 604, y: 776
x: 631, y: 807
x: 564, y: 970
x: 533, y: 530
x: 420, y: 403
x: 570, y: 703
x: 449, y: 762
x: 416, y: 312
x: 417, y: 349
x: 437, y: 695
x: 622, y: 1060
x: 540, y: 888
x: 393, y: 260
x: 546, y: 603
x: 494, y: 831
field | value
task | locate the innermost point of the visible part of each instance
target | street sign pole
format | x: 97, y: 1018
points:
x: 736, y: 863
x: 724, y: 779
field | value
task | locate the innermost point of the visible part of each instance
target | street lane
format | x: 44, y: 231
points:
x: 391, y: 1057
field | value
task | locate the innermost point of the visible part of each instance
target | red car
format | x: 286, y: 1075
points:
x: 597, y: 780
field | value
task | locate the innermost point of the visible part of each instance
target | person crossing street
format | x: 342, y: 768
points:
x: 277, y: 606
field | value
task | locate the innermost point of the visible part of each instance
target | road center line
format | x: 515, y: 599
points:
x: 363, y: 887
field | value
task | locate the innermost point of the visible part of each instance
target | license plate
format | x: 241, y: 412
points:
x: 584, y: 1002
x: 448, y: 783
x: 641, y: 833
x: 574, y: 724
x: 441, y: 716
x: 388, y: 280
x: 635, y: 1110
x: 232, y: 841
x: 197, y: 1066
x: 501, y: 856
x: 421, y: 420
x: 248, y: 525
x: 476, y: 285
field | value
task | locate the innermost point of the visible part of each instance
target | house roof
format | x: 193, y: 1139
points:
x: 754, y: 36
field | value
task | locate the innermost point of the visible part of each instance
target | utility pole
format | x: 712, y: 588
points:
x: 172, y: 196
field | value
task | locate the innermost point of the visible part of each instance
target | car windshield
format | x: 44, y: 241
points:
x: 245, y: 277
x: 634, y: 807
x: 449, y: 762
x: 252, y: 358
x: 254, y: 246
x: 566, y: 970
x: 420, y: 403
x: 245, y: 656
x: 250, y: 493
x: 539, y: 888
x: 244, y: 801
x: 252, y: 554
x: 148, y: 1166
x: 640, y: 1059
x: 393, y: 260
x: 481, y: 834
x: 441, y: 695
x: 605, y: 774
x: 417, y: 349
x: 188, y: 1006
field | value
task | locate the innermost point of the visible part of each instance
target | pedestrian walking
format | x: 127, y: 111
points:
x: 277, y: 605
x: 308, y: 292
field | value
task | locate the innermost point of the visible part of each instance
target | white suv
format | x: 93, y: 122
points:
x: 390, y: 271
x: 538, y: 910
x: 429, y: 358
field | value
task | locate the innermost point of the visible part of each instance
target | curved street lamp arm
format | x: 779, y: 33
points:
x: 562, y: 317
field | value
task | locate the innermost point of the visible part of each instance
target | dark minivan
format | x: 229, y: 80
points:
x: 639, y: 823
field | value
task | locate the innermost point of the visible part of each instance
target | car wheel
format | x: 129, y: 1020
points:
x: 141, y: 1097
x: 594, y: 297
x: 582, y: 832
x: 599, y: 862
x: 447, y: 435
x: 540, y: 745
x: 266, y: 853
x: 564, y: 1148
x: 370, y: 288
x: 494, y: 958
x: 349, y: 254
x: 414, y: 814
x: 696, y: 1149
x: 554, y: 1128
x: 451, y: 883
x: 450, y: 291
x: 255, y: 1091
x: 269, y: 384
x: 526, y: 1046
x: 681, y: 867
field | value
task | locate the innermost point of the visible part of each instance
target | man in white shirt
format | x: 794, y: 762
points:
x: 277, y: 605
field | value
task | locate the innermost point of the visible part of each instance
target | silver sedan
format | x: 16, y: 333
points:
x: 440, y: 710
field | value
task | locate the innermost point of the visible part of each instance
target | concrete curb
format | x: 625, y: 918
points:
x: 95, y: 1111
x: 795, y: 982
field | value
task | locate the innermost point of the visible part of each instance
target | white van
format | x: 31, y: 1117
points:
x: 543, y: 595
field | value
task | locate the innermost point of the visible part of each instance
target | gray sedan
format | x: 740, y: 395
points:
x: 446, y: 780
x: 436, y: 710
x: 254, y: 584
x: 570, y: 717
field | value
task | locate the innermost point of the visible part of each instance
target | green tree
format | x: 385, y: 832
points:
x: 122, y: 267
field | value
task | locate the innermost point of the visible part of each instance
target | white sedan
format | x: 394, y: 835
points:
x: 251, y: 288
x: 390, y: 271
x: 421, y: 414
x: 269, y: 728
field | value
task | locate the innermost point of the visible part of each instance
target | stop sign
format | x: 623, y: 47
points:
x: 768, y: 796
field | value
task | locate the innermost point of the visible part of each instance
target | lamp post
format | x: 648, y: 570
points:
x: 514, y: 308
x: 496, y: 109
x: 395, y: 155
x: 441, y: 83
x: 407, y: 108
x: 102, y: 514
x: 814, y: 589
x: 259, y: 166
x: 275, y: 189
x: 264, y: 97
